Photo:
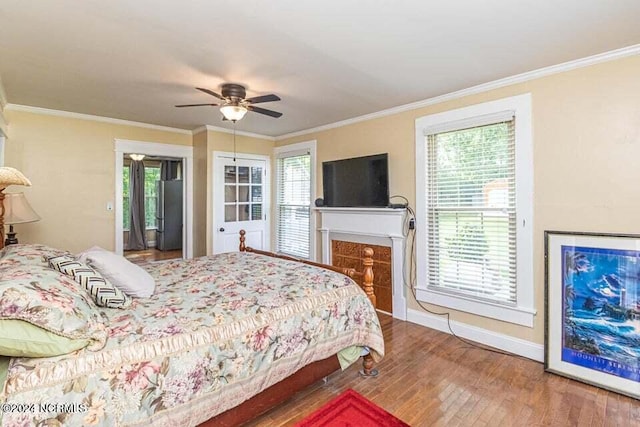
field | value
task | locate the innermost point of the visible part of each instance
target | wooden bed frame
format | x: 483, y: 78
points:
x: 279, y: 392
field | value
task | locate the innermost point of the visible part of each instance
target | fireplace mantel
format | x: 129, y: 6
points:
x: 377, y: 226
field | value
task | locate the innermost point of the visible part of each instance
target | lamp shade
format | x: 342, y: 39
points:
x: 10, y: 176
x: 233, y: 112
x: 17, y: 209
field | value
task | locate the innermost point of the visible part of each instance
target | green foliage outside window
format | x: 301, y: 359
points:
x: 467, y: 162
x: 472, y: 158
x: 151, y: 176
x: 469, y: 244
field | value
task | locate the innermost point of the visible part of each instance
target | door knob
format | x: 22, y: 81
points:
x: 221, y: 229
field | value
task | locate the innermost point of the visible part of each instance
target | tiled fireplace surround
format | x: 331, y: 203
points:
x: 372, y: 226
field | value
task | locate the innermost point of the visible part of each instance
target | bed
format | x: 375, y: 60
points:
x: 222, y: 339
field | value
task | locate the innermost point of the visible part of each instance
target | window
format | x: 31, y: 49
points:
x: 243, y: 188
x: 151, y: 176
x: 470, y: 230
x: 475, y: 199
x: 295, y: 180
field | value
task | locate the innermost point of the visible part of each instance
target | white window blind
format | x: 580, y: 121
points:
x: 471, y: 211
x: 293, y: 204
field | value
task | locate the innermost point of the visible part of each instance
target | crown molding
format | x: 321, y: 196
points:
x: 484, y: 87
x: 198, y: 130
x: 518, y: 78
x: 238, y: 132
x: 81, y: 116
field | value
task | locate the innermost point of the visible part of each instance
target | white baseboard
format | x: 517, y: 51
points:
x: 518, y: 346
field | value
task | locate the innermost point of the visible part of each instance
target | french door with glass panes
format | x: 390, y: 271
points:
x: 241, y: 196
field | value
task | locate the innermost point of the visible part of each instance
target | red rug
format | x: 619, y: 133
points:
x: 351, y: 410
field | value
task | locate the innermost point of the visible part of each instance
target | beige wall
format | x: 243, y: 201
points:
x: 200, y: 191
x: 71, y: 164
x: 586, y: 133
x: 219, y: 141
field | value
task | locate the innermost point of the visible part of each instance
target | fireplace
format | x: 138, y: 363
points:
x: 346, y: 231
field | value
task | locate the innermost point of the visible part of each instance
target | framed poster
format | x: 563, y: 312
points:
x: 592, y: 309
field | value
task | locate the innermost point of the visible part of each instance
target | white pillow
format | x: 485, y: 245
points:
x: 126, y: 276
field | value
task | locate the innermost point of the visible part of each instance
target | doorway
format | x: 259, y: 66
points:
x: 182, y: 167
x: 241, y: 200
x: 158, y: 231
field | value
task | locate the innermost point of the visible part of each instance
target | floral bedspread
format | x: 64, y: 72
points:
x: 217, y: 331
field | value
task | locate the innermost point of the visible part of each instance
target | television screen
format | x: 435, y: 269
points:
x: 357, y: 182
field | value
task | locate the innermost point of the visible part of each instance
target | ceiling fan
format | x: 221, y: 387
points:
x: 235, y: 104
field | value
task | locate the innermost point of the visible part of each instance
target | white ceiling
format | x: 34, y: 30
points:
x: 328, y: 60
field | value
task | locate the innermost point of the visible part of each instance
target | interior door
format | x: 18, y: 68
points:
x: 240, y: 202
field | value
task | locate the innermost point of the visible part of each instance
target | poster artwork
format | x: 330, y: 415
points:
x: 601, y: 310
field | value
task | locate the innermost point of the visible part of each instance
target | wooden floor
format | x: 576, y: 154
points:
x: 429, y: 378
x: 151, y: 254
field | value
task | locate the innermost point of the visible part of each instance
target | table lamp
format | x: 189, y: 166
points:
x: 8, y: 176
x: 17, y: 210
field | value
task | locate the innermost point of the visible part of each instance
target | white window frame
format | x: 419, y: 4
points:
x: 523, y: 312
x: 287, y: 151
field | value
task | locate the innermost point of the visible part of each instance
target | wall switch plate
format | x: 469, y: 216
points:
x: 109, y: 206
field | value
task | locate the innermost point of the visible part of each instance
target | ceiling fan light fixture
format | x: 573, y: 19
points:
x: 235, y: 102
x: 233, y: 112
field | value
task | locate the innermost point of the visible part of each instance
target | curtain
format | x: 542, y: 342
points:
x: 137, y: 223
x: 170, y: 170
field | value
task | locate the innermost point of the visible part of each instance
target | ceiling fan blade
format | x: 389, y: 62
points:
x: 263, y: 98
x: 196, y: 105
x: 264, y: 111
x: 210, y: 92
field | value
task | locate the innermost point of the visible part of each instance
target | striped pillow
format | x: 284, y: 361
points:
x: 101, y: 290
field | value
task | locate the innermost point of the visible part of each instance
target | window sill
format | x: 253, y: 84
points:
x: 518, y: 315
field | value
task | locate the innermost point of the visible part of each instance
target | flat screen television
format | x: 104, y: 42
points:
x: 356, y: 182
